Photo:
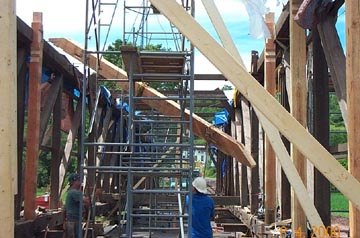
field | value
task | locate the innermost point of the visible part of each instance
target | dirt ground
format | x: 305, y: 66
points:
x: 343, y: 223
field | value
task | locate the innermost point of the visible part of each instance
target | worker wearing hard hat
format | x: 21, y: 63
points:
x: 203, y: 210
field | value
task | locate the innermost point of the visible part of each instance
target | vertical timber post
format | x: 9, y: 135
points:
x: 8, y: 130
x: 353, y: 99
x: 298, y: 107
x: 33, y: 133
x: 254, y: 144
x: 270, y: 158
x: 321, y: 125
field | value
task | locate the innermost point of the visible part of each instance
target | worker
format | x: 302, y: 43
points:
x: 72, y: 207
x: 203, y: 210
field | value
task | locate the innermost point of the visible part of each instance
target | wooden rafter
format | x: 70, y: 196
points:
x: 201, y: 128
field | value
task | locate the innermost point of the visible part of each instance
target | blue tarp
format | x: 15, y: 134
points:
x: 221, y: 118
x: 106, y: 93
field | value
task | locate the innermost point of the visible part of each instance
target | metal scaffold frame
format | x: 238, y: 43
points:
x: 151, y: 152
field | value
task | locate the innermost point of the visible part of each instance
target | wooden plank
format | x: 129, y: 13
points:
x: 173, y: 12
x: 270, y: 158
x: 321, y: 124
x: 48, y: 102
x: 8, y: 123
x: 201, y: 128
x: 21, y: 74
x: 32, y: 145
x: 69, y: 144
x: 335, y: 59
x: 353, y: 82
x: 106, y: 69
x: 298, y: 104
x: 56, y: 149
x: 254, y: 145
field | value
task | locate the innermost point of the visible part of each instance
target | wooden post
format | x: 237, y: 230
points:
x: 8, y: 134
x: 270, y: 158
x: 335, y: 59
x: 33, y: 142
x: 56, y: 149
x: 298, y: 107
x: 254, y: 145
x: 22, y: 69
x: 285, y: 185
x: 321, y: 124
x: 353, y: 90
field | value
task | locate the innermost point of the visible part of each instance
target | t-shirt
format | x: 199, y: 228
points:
x: 203, y: 210
x: 72, y: 205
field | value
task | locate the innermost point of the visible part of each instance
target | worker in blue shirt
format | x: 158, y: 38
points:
x: 203, y: 210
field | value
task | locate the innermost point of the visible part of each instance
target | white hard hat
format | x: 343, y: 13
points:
x: 200, y: 184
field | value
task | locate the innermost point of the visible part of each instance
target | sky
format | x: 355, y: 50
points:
x: 66, y: 18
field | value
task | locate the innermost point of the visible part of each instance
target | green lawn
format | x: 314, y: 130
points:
x: 339, y: 202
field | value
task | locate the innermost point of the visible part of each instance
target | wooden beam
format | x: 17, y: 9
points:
x: 254, y: 145
x: 56, y: 149
x: 270, y: 158
x: 335, y: 59
x: 353, y: 90
x: 48, y: 102
x: 21, y: 76
x: 298, y: 104
x: 105, y: 69
x: 33, y: 142
x: 69, y: 144
x: 201, y: 128
x: 321, y: 124
x: 8, y: 122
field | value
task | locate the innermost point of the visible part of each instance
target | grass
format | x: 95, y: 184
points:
x: 339, y: 203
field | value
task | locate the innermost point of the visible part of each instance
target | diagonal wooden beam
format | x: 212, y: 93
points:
x: 105, y: 69
x: 49, y: 102
x: 201, y: 128
x: 261, y: 99
x: 69, y: 144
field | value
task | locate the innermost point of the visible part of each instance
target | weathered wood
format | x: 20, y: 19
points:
x: 8, y: 123
x: 353, y: 90
x: 21, y: 74
x: 321, y: 124
x: 69, y: 144
x: 201, y: 128
x: 254, y: 145
x: 33, y: 142
x: 335, y: 59
x: 28, y: 229
x: 270, y: 158
x: 56, y: 149
x: 49, y: 102
x: 285, y: 185
x: 245, y: 117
